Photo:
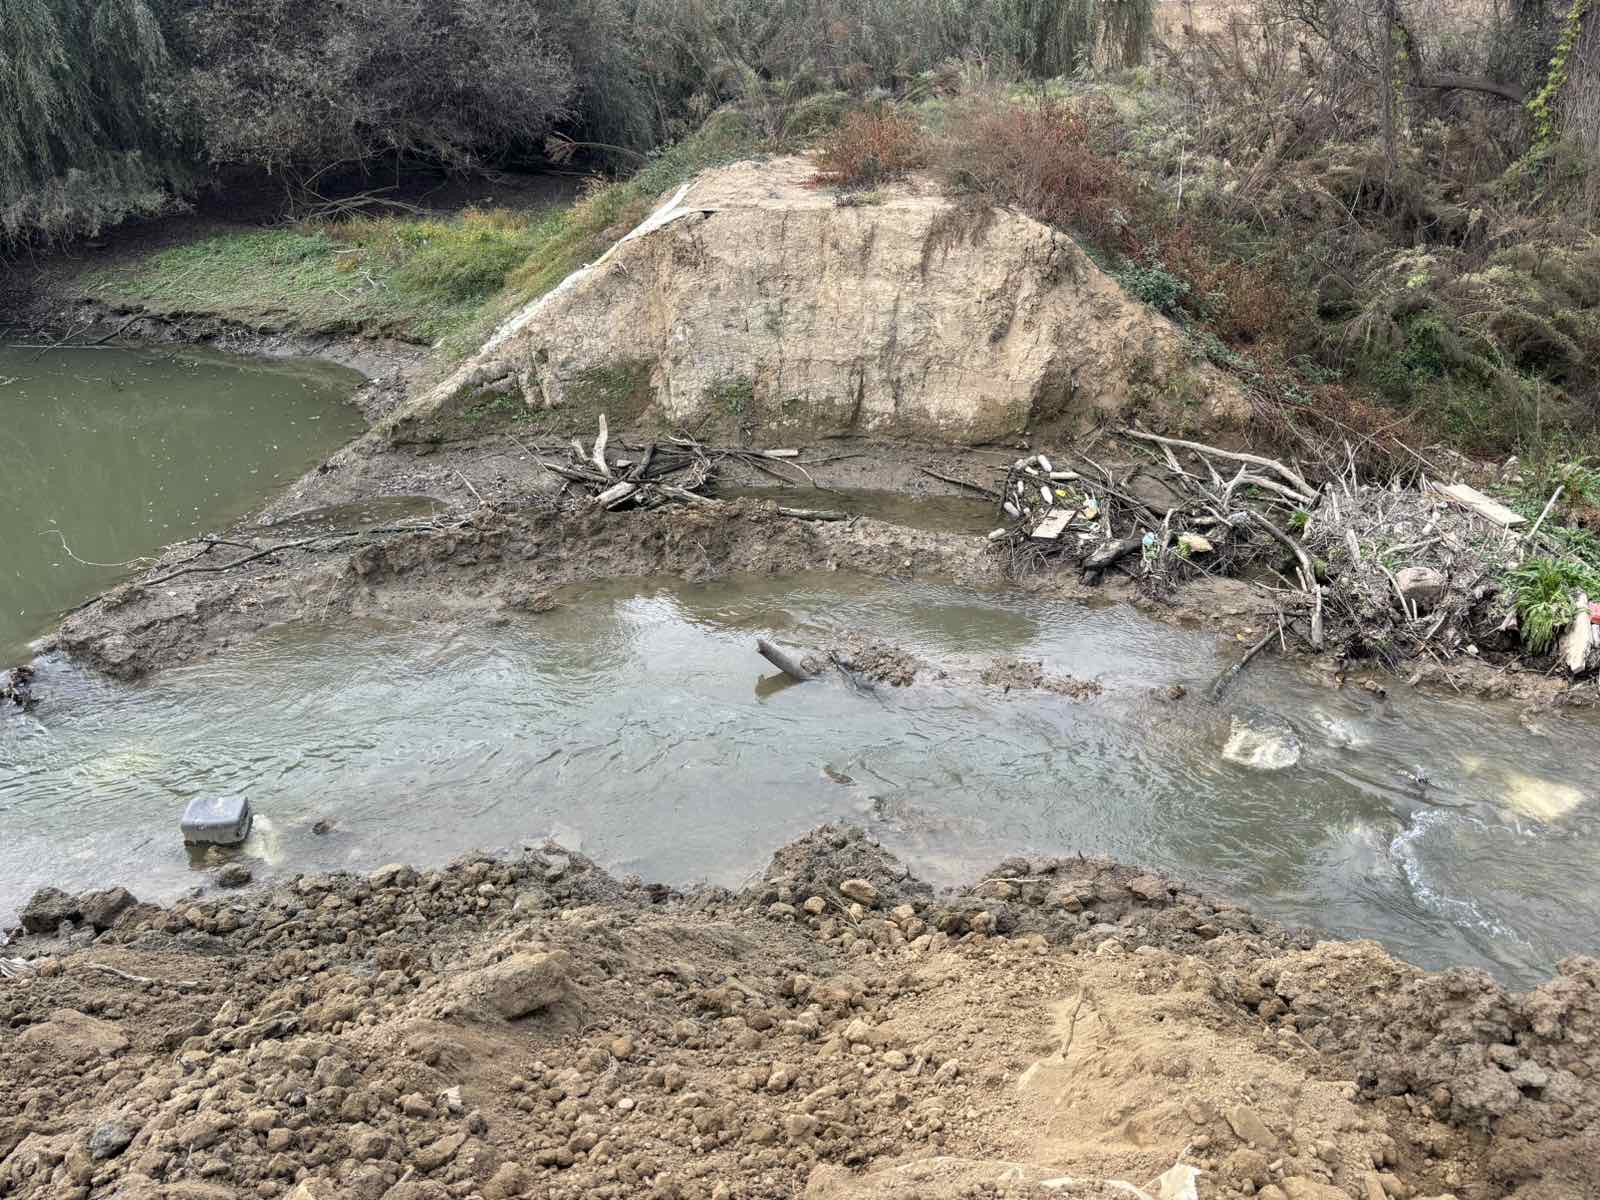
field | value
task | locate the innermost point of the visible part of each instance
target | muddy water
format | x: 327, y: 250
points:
x: 636, y: 723
x: 110, y: 454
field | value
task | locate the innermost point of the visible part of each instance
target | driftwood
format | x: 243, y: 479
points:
x: 789, y: 666
x: 1108, y: 554
x: 173, y: 983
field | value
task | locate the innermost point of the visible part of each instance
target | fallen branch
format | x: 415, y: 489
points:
x: 782, y: 661
x: 176, y: 983
x: 1305, y: 491
x: 1214, y: 693
x: 986, y: 493
x: 1308, y: 575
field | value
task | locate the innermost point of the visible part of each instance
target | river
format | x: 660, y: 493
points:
x: 636, y: 723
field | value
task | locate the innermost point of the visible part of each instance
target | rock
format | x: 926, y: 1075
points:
x: 47, y: 909
x: 815, y: 905
x: 519, y: 985
x: 860, y: 889
x: 508, y: 1183
x: 800, y: 1126
x: 74, y: 1036
x: 109, y: 1139
x: 436, y: 1153
x: 203, y: 1131
x: 315, y: 1189
x: 1301, y: 1187
x: 393, y: 875
x: 1423, y: 587
x: 1249, y: 1127
x: 913, y: 281
x: 101, y: 909
x: 1149, y: 888
x: 234, y: 875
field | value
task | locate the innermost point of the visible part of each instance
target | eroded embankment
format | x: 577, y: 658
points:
x: 533, y: 1027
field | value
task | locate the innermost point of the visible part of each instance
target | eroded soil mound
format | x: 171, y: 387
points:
x: 752, y: 300
x: 537, y: 1028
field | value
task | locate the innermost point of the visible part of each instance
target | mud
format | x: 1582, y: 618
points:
x: 531, y: 1026
x: 1029, y: 675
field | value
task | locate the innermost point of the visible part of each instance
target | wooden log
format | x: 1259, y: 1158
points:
x: 782, y: 661
x: 1113, y: 552
x: 616, y: 494
x: 782, y: 453
x: 1308, y: 574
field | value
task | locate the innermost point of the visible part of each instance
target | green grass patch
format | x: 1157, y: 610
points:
x: 439, y: 280
x: 1542, y: 592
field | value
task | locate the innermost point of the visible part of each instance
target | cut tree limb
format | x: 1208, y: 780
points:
x: 814, y: 514
x: 782, y: 661
x: 599, y: 456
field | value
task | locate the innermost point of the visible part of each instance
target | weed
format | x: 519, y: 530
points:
x: 1155, y: 286
x: 874, y: 146
x: 1542, y: 590
x: 734, y: 394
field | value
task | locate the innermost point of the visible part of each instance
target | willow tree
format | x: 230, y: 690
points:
x: 80, y: 146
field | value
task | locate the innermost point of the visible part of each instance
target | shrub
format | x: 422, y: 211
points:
x: 872, y: 147
x: 1156, y: 286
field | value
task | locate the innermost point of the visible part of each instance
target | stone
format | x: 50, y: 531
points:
x: 369, y: 1144
x: 1423, y: 587
x: 74, y: 1036
x: 1249, y: 1127
x: 203, y: 1131
x: 522, y: 984
x: 392, y: 875
x: 234, y: 875
x: 109, y: 1139
x: 314, y: 1189
x: 436, y: 1153
x: 508, y: 1183
x: 1149, y: 888
x: 1302, y: 1187
x: 47, y: 909
x: 101, y: 909
x: 816, y: 906
x: 800, y: 1126
x: 860, y: 889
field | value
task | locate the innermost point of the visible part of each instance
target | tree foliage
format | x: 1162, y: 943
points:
x: 80, y: 144
x: 110, y: 107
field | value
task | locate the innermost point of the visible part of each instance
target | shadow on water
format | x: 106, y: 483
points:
x: 637, y: 720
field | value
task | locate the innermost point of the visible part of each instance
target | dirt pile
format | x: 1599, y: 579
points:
x: 752, y: 300
x: 537, y: 1028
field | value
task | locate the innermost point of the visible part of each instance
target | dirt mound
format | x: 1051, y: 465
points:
x: 752, y: 301
x: 537, y: 1028
x: 1029, y: 675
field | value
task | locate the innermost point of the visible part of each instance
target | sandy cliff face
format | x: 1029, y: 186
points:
x: 755, y: 300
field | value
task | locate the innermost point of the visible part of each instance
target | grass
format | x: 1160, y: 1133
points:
x: 445, y: 281
x: 1542, y: 593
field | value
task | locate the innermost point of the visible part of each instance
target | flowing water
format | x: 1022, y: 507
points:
x: 636, y: 723
x: 110, y: 454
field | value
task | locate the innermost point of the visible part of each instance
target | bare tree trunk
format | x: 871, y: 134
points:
x: 1391, y: 155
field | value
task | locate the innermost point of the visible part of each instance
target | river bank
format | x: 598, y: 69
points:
x: 531, y: 1026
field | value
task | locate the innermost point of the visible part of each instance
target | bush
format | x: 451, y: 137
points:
x: 1156, y: 286
x: 872, y: 147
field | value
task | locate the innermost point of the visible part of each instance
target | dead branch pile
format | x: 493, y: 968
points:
x: 1094, y: 518
x: 678, y: 470
x: 1410, y: 571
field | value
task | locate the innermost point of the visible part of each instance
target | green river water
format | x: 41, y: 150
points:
x: 111, y: 454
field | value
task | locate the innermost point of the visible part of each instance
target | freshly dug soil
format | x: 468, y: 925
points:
x: 535, y: 1027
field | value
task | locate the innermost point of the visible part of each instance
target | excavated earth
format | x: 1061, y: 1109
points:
x: 532, y: 1027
